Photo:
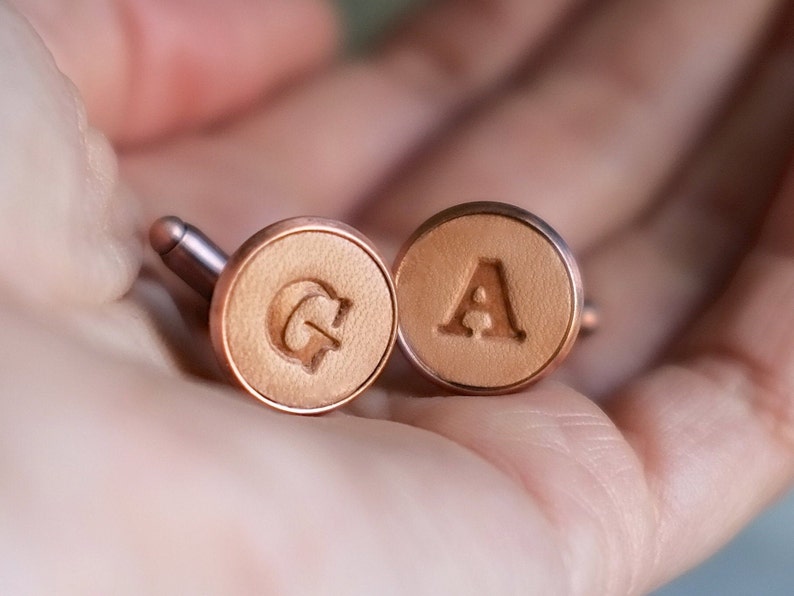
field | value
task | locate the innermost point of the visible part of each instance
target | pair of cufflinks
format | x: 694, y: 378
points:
x: 304, y: 315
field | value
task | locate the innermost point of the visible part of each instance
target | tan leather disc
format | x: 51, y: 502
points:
x: 304, y: 315
x: 490, y: 298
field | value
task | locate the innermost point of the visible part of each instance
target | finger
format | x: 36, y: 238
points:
x: 147, y: 67
x: 657, y: 274
x: 588, y: 141
x: 708, y: 441
x: 67, y: 231
x: 722, y: 418
x: 571, y: 460
x: 324, y: 145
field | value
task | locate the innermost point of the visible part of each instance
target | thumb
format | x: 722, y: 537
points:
x: 148, y: 67
x: 67, y: 233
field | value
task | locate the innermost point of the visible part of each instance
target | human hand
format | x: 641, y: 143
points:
x: 629, y: 132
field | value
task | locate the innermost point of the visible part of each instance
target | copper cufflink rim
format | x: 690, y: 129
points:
x: 191, y: 255
x: 243, y: 255
x: 567, y: 258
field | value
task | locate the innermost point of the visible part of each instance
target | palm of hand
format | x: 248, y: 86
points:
x: 147, y: 474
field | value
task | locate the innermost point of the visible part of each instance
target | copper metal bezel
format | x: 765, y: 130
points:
x: 574, y: 275
x: 237, y: 263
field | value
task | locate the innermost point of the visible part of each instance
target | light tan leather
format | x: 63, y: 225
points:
x: 306, y: 319
x: 487, y: 301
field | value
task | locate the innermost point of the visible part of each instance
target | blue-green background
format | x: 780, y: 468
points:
x: 366, y: 18
x: 760, y: 562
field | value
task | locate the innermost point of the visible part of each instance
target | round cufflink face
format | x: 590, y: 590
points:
x: 304, y: 315
x: 490, y: 298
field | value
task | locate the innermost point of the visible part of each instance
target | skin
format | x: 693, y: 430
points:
x: 655, y: 135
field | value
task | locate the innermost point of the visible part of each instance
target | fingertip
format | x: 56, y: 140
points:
x: 68, y: 229
x: 147, y: 68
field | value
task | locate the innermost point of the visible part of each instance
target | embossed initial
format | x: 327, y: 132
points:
x: 485, y: 311
x: 304, y: 321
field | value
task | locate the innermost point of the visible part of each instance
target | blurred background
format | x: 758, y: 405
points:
x: 760, y: 561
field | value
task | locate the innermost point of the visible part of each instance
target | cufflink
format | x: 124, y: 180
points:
x: 490, y: 298
x: 303, y: 316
